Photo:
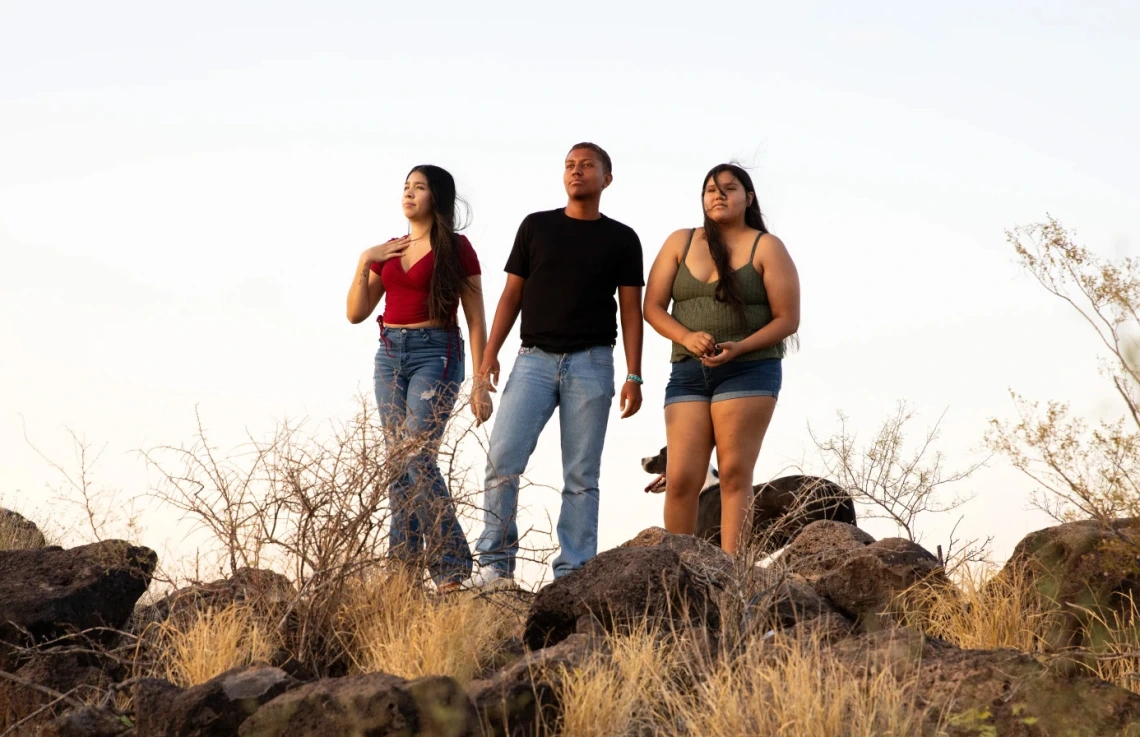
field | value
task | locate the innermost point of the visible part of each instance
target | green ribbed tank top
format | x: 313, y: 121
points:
x: 696, y: 307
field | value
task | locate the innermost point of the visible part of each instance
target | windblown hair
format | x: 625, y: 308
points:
x: 728, y: 286
x: 447, y: 278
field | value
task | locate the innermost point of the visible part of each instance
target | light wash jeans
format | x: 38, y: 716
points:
x: 417, y: 377
x: 581, y: 385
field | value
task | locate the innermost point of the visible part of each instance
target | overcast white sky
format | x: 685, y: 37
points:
x: 184, y: 193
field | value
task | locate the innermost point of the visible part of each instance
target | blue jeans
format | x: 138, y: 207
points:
x: 417, y: 377
x: 581, y: 384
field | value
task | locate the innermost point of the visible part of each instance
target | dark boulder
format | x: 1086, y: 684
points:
x: 994, y: 692
x: 1089, y: 569
x: 80, y: 677
x: 519, y: 699
x: 265, y: 592
x: 621, y: 587
x: 698, y: 555
x: 215, y: 708
x: 50, y: 592
x: 866, y: 581
x: 820, y: 546
x: 786, y: 601
x: 376, y: 704
x: 88, y: 721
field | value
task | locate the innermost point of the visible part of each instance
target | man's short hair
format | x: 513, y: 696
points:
x: 601, y: 152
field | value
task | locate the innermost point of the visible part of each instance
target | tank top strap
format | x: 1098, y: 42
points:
x: 755, y: 243
x: 688, y: 243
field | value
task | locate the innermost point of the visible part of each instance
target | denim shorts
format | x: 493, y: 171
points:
x: 692, y: 381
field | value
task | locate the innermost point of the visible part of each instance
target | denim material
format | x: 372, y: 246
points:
x: 417, y: 377
x: 692, y: 381
x: 581, y: 385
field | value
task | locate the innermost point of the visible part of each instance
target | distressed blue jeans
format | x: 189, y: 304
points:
x: 581, y: 386
x: 417, y: 376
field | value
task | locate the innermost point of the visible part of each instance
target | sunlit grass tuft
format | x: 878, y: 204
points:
x: 212, y: 642
x: 389, y: 625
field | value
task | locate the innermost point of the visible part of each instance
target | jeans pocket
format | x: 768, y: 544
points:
x: 527, y: 350
x: 601, y: 356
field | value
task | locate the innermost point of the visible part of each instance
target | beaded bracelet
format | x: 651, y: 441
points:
x: 635, y: 379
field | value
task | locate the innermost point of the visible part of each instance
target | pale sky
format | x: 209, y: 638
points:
x: 184, y: 194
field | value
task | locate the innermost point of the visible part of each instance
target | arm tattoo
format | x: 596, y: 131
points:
x: 364, y: 274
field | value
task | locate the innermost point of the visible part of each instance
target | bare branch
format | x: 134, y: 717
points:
x: 895, y: 484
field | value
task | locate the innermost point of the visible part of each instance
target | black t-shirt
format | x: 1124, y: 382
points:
x: 572, y: 270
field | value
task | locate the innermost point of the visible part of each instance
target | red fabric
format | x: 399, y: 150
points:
x: 406, y: 292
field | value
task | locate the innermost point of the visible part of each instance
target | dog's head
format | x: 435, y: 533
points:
x: 656, y: 465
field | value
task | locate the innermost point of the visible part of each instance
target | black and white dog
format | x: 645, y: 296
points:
x: 780, y: 508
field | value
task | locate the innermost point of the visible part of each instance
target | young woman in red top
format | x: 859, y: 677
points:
x: 425, y: 276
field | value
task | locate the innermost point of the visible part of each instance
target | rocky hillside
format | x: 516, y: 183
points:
x: 662, y: 635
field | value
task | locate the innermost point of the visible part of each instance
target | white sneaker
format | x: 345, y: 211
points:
x: 490, y: 579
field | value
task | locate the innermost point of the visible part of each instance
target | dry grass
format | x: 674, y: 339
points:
x: 982, y: 612
x: 211, y: 643
x: 786, y: 687
x: 16, y: 533
x: 792, y: 688
x: 987, y: 612
x: 620, y: 694
x: 1119, y: 648
x: 387, y: 624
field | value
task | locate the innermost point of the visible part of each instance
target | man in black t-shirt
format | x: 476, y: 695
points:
x: 563, y: 272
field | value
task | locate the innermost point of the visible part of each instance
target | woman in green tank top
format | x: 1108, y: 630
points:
x: 735, y: 303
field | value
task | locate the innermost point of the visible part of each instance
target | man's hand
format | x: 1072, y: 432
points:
x: 630, y: 399
x: 723, y: 353
x: 488, y: 373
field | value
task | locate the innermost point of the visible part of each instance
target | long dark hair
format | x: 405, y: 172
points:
x: 447, y: 277
x: 728, y: 286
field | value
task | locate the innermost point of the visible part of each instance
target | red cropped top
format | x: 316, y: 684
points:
x: 406, y: 292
